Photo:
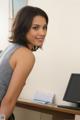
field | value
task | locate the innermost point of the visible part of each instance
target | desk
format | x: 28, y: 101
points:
x: 57, y: 112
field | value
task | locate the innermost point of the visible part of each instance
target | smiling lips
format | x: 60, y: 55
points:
x: 40, y: 39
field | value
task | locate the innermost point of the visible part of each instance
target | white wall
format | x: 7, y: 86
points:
x: 61, y: 52
x: 4, y: 23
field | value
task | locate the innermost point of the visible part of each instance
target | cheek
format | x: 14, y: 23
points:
x: 30, y: 37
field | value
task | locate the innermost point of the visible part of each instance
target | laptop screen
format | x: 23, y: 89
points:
x: 72, y: 93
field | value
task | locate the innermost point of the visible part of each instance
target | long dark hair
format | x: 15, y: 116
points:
x: 22, y: 23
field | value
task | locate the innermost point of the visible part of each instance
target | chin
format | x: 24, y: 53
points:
x: 40, y: 46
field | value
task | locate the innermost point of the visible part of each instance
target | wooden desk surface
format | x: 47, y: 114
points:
x: 46, y: 108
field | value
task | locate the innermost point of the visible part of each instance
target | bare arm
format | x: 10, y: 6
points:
x: 21, y: 71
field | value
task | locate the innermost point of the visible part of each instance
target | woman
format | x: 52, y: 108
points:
x: 17, y: 60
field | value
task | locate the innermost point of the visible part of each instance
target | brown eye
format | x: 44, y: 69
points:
x: 35, y: 27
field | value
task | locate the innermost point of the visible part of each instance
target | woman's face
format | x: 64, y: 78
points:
x: 37, y: 32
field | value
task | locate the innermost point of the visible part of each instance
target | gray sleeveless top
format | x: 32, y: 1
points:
x: 5, y: 68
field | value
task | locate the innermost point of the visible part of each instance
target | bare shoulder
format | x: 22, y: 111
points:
x: 25, y: 55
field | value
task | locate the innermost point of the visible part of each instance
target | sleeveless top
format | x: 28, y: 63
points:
x: 5, y: 68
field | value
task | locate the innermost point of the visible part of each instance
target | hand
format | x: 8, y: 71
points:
x: 2, y: 117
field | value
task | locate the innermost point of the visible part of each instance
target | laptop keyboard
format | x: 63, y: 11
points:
x: 69, y: 107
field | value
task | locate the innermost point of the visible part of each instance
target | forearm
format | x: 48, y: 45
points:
x: 6, y: 108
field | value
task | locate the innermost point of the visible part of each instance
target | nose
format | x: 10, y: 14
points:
x: 42, y: 32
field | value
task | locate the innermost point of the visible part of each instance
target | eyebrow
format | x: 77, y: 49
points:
x: 39, y: 24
